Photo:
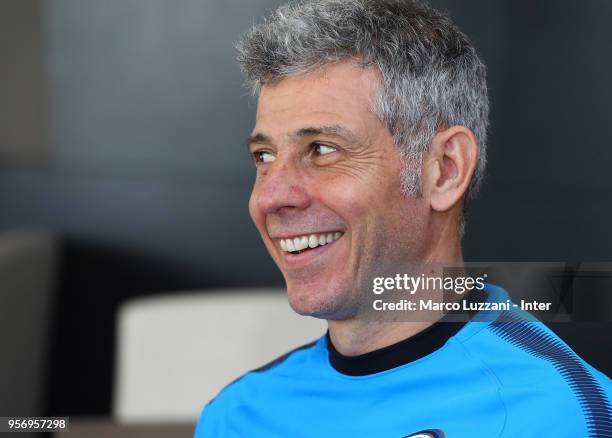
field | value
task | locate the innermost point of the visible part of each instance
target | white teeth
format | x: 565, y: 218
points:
x: 289, y: 244
x: 313, y: 241
x: 308, y: 241
x: 300, y: 243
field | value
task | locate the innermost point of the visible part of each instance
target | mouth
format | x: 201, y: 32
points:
x: 307, y: 242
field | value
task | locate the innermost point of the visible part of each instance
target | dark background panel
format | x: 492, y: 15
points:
x: 22, y: 88
x: 138, y: 160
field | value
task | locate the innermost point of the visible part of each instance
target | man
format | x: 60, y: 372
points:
x: 369, y: 140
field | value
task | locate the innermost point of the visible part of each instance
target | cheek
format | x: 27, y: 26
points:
x: 349, y: 203
x: 361, y: 201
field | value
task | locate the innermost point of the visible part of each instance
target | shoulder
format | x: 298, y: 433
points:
x: 249, y: 387
x: 544, y: 384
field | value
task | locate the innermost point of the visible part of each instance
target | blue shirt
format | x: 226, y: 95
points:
x: 509, y: 376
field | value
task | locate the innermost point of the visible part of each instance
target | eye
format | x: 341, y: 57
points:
x: 323, y: 149
x: 263, y: 156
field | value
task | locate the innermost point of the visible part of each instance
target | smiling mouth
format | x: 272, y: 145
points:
x: 300, y: 244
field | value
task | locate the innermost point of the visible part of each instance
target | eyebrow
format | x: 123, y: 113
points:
x: 309, y: 131
x: 258, y: 138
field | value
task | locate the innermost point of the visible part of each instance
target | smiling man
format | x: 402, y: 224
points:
x: 369, y: 140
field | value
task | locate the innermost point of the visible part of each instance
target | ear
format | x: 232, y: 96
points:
x: 448, y: 167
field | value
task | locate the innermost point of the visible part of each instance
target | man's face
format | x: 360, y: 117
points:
x: 328, y: 172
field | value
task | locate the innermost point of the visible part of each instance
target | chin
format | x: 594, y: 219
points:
x: 321, y: 302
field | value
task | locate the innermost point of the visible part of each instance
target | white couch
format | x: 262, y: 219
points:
x: 175, y: 352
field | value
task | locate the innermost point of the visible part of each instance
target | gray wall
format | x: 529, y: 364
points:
x: 147, y: 122
x: 22, y: 97
x: 549, y: 180
x: 147, y: 177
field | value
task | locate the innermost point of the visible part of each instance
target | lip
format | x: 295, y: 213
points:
x: 295, y: 261
x: 306, y: 233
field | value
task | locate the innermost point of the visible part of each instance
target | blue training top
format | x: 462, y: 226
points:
x: 509, y: 377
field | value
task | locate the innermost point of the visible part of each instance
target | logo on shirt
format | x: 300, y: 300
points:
x: 429, y: 433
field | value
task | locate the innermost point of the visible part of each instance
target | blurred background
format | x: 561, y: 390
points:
x: 123, y: 170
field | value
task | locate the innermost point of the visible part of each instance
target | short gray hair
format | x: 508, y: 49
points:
x: 431, y: 76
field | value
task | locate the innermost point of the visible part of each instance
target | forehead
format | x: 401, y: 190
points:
x: 340, y: 94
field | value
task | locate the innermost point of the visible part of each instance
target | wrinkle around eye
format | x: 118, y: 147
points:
x: 357, y: 165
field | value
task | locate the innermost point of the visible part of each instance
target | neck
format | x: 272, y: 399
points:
x: 356, y: 336
x: 353, y: 338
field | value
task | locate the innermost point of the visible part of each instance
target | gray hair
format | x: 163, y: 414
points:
x: 431, y: 76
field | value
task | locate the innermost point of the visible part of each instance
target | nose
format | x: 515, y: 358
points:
x: 282, y: 188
